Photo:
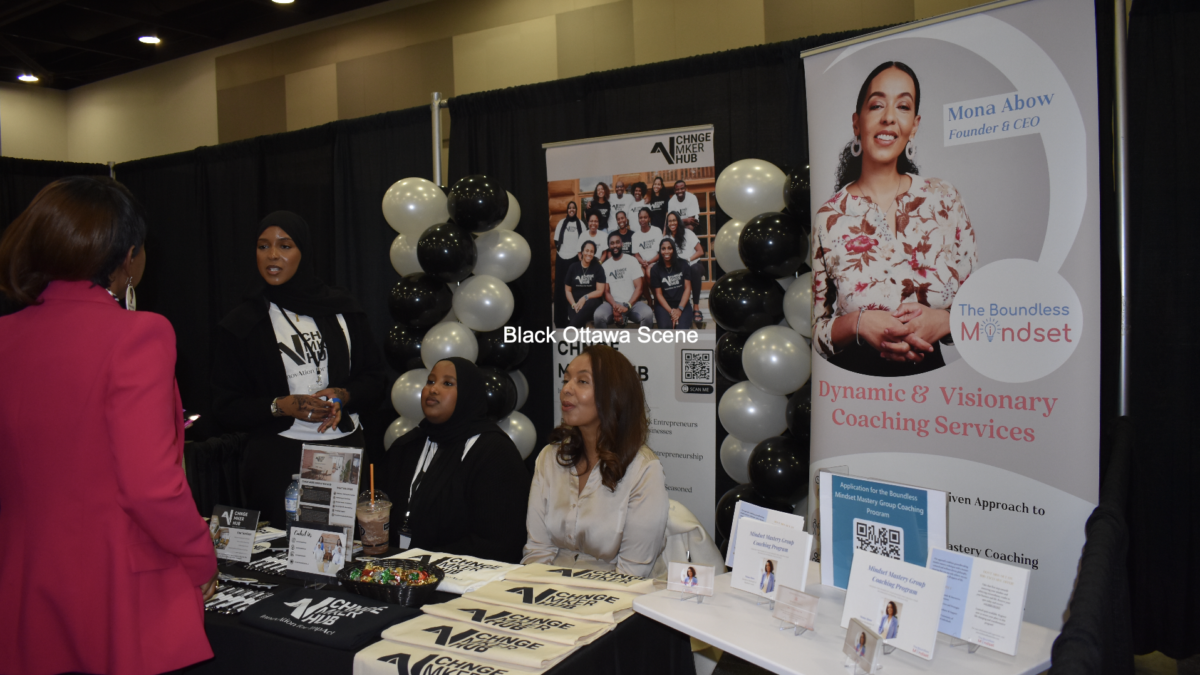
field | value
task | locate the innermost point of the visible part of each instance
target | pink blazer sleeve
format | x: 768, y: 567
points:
x: 145, y: 427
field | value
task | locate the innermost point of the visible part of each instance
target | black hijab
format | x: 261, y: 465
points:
x: 569, y: 222
x: 304, y: 293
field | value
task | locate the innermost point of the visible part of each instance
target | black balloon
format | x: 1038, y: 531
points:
x: 799, y: 414
x: 729, y: 356
x: 494, y: 352
x: 501, y: 393
x: 746, y: 493
x: 774, y: 244
x: 796, y: 195
x: 477, y: 204
x: 420, y: 300
x: 402, y: 347
x: 447, y: 252
x: 779, y: 469
x: 744, y: 301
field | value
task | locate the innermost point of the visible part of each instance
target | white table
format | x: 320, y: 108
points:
x: 731, y: 621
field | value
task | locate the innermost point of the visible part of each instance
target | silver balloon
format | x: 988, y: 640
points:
x: 749, y: 187
x: 502, y: 254
x: 404, y: 254
x: 518, y: 379
x: 735, y: 458
x: 514, y: 215
x: 401, y: 426
x: 776, y: 360
x: 406, y: 394
x: 413, y: 204
x: 797, y: 305
x: 726, y: 246
x: 448, y: 339
x: 752, y: 414
x: 521, y: 431
x: 482, y: 303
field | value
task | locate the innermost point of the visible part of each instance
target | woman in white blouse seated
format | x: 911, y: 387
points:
x: 599, y: 497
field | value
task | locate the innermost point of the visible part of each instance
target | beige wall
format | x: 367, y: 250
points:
x: 391, y: 56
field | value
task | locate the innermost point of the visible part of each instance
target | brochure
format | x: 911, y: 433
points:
x: 329, y: 477
x: 901, y: 602
x: 985, y: 599
x: 317, y: 552
x: 770, y: 555
x: 896, y: 521
x: 763, y: 515
x: 233, y: 532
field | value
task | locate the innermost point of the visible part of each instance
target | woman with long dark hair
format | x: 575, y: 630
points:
x: 585, y: 284
x: 671, y: 282
x: 656, y: 201
x: 600, y: 205
x: 690, y: 254
x: 566, y: 242
x: 890, y: 249
x: 599, y: 495
x: 106, y: 563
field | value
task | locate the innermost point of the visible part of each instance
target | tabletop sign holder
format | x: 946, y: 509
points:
x: 795, y: 610
x: 233, y: 531
x: 971, y: 646
x: 691, y: 580
x: 861, y: 647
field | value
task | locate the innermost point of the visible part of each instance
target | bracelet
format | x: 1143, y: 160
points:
x: 856, y: 325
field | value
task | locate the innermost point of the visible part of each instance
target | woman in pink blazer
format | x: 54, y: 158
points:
x: 106, y: 562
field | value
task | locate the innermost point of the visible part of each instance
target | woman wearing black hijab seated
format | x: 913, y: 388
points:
x: 292, y: 365
x: 457, y: 482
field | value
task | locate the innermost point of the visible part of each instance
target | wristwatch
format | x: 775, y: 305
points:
x: 275, y: 411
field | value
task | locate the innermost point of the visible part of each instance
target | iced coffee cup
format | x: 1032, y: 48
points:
x: 373, y: 521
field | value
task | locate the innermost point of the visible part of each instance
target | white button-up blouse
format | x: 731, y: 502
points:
x: 623, y: 530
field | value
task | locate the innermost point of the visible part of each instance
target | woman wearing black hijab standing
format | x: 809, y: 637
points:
x: 292, y: 365
x: 457, y: 482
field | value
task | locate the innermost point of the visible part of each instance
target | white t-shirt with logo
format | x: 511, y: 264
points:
x: 620, y: 275
x: 621, y: 204
x: 688, y: 208
x: 646, y: 243
x: 690, y: 241
x: 570, y: 238
x: 297, y: 352
x: 600, y: 239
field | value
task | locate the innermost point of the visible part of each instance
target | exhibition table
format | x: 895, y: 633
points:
x: 732, y: 621
x: 636, y: 645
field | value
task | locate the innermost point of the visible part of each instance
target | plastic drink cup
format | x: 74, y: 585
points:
x: 373, y: 520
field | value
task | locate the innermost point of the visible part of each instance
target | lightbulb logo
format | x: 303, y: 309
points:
x: 990, y: 327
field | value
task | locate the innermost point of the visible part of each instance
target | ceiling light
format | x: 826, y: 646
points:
x: 149, y: 39
x: 282, y: 2
x: 26, y: 77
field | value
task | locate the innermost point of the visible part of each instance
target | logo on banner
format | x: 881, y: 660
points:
x: 683, y: 148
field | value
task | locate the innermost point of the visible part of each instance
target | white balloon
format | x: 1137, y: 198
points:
x: 735, y: 458
x: 797, y: 305
x: 786, y: 282
x: 521, y: 431
x: 413, y: 204
x: 483, y: 303
x: 512, y: 217
x: 502, y: 254
x: 752, y: 414
x: 401, y: 426
x: 518, y: 379
x: 749, y: 187
x: 406, y: 394
x: 404, y: 254
x: 776, y: 360
x: 726, y: 246
x: 445, y: 340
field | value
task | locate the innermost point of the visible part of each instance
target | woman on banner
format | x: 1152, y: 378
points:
x: 594, y: 234
x: 656, y: 201
x: 671, y: 281
x: 585, y: 284
x: 92, y: 440
x: 566, y: 242
x: 600, y: 206
x: 292, y: 365
x: 690, y: 254
x: 599, y: 495
x: 890, y: 249
x: 458, y: 484
x: 646, y: 238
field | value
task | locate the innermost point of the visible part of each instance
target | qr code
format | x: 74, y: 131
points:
x: 697, y: 366
x: 878, y: 538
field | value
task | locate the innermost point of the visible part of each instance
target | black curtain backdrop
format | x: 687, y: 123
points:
x: 1163, y: 523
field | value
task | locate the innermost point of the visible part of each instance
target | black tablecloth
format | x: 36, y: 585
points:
x: 636, y: 645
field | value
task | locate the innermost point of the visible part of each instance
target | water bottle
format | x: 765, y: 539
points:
x: 291, y: 502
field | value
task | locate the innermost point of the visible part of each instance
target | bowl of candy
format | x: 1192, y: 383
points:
x: 401, y: 582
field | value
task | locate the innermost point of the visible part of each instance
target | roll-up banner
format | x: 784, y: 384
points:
x: 632, y: 222
x: 956, y: 210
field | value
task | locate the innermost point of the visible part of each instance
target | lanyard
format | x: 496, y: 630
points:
x: 423, y: 463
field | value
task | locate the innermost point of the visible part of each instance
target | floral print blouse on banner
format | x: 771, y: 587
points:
x: 926, y: 260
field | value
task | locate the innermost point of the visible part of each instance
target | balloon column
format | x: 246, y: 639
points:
x: 764, y: 304
x: 456, y: 253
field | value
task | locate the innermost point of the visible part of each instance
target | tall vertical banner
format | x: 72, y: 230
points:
x: 632, y: 221
x: 956, y: 210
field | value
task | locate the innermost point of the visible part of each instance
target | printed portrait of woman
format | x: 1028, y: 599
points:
x: 889, y: 623
x: 689, y: 577
x: 860, y: 647
x: 890, y: 248
x: 767, y: 583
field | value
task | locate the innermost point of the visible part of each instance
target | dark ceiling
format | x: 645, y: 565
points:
x: 67, y: 43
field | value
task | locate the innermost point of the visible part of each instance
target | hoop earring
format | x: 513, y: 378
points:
x: 856, y: 147
x: 130, y: 296
x: 911, y: 150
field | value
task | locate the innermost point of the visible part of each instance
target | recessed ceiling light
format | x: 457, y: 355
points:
x: 283, y: 2
x: 26, y: 77
x: 149, y: 39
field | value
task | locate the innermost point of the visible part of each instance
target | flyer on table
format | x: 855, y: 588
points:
x: 990, y: 224
x: 329, y: 477
x: 763, y: 515
x: 233, y: 532
x: 769, y: 556
x: 902, y: 602
x: 985, y: 600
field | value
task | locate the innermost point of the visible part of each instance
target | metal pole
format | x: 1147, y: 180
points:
x: 435, y: 110
x: 112, y: 170
x: 1121, y: 166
